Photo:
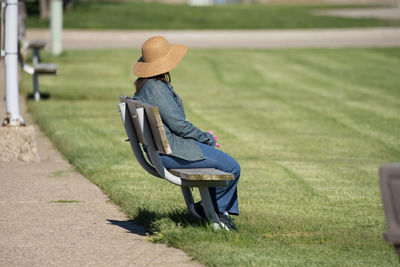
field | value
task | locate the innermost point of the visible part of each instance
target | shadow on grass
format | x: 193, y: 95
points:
x: 43, y: 96
x: 150, y: 218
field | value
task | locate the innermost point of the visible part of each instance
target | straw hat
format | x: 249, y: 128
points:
x: 158, y: 56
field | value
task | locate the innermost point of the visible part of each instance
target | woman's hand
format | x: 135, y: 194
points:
x: 216, y: 138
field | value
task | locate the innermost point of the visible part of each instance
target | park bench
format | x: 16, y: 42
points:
x: 390, y: 188
x: 144, y: 127
x: 37, y: 68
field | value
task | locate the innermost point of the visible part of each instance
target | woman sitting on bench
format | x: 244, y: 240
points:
x: 191, y: 147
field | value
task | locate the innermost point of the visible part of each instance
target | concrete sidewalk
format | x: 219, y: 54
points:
x: 317, y: 38
x: 52, y: 215
x: 392, y: 13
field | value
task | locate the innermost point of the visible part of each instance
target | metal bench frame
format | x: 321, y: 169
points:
x: 142, y: 131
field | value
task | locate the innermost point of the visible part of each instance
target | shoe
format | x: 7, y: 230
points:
x: 228, y: 221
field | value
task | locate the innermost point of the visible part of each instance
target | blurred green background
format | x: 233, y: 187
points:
x: 140, y: 15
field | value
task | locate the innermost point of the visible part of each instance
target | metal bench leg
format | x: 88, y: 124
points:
x: 36, y: 57
x: 187, y: 195
x: 36, y: 93
x: 209, y: 209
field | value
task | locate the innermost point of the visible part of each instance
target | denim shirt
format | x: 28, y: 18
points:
x: 181, y: 134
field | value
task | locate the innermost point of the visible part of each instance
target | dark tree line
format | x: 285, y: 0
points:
x: 42, y: 7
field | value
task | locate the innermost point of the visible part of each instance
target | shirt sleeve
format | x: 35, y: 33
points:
x: 173, y: 117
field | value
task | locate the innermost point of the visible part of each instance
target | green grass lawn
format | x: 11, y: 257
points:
x: 310, y: 127
x: 136, y: 15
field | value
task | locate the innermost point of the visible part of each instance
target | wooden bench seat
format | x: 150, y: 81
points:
x: 144, y: 127
x: 197, y: 177
x: 45, y: 68
x: 207, y: 174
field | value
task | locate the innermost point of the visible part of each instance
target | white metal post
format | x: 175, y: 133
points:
x: 56, y: 24
x: 11, y: 65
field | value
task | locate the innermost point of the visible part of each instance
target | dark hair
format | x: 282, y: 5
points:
x: 165, y: 78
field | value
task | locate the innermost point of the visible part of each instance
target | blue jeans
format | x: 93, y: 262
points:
x: 224, y: 198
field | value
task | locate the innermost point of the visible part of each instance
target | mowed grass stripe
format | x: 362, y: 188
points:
x: 308, y: 144
x: 358, y: 109
x: 298, y: 82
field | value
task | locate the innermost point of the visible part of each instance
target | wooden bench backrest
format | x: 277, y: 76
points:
x: 154, y: 120
x: 136, y: 122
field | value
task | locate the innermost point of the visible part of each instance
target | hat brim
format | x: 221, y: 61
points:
x: 166, y: 64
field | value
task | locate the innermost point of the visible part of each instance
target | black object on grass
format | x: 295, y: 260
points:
x: 390, y: 188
